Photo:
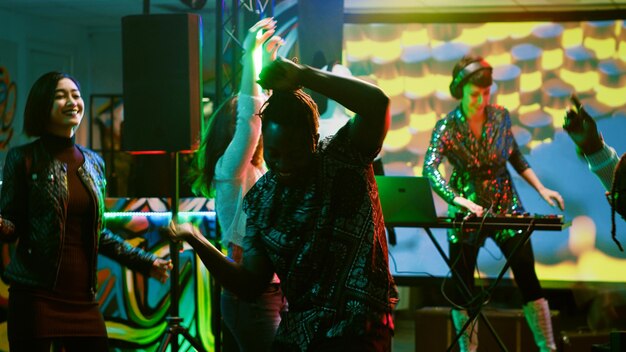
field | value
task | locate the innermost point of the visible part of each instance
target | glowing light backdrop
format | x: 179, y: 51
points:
x: 537, y: 65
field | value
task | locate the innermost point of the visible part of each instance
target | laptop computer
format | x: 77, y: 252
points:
x: 406, y: 200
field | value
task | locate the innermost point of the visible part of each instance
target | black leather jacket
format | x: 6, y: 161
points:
x: 34, y: 198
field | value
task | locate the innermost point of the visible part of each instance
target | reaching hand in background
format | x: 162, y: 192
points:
x: 582, y: 128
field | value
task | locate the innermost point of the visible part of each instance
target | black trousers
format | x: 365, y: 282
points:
x: 463, y: 257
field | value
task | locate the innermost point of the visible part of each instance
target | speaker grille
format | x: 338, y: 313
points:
x: 162, y: 74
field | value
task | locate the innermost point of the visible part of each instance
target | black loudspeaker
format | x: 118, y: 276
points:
x: 320, y: 37
x: 162, y: 73
x: 320, y: 31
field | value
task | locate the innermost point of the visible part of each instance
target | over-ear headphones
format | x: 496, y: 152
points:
x: 458, y: 81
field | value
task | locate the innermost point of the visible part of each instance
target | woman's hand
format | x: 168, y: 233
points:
x: 469, y: 205
x: 271, y: 48
x: 161, y: 269
x: 180, y: 232
x: 258, y: 34
x: 552, y: 197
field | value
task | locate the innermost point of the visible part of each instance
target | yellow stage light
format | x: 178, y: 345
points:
x: 421, y: 86
x: 423, y: 122
x: 552, y: 59
x: 510, y: 101
x: 392, y: 86
x: 397, y: 139
x: 415, y: 34
x: 603, y: 48
x: 572, y: 36
x: 499, y: 59
x: 529, y: 82
x: 418, y: 169
x: 558, y: 116
x: 441, y: 83
x: 613, y: 97
x: 582, y: 82
x: 528, y: 108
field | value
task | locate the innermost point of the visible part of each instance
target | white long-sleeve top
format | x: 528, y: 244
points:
x: 234, y: 172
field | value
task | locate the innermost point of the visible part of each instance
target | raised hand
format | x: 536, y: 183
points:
x: 258, y: 34
x: 582, y: 128
x: 180, y: 232
x: 281, y: 74
x: 271, y: 48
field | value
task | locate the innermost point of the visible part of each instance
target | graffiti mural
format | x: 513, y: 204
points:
x: 8, y: 103
x: 135, y: 307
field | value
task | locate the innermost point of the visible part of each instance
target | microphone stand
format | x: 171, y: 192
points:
x: 174, y: 327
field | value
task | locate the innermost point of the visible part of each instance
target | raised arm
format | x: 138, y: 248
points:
x: 248, y: 126
x: 603, y: 163
x: 246, y: 280
x: 368, y: 129
x: 583, y: 131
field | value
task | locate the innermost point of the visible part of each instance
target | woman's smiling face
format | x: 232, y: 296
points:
x: 67, y: 109
x: 475, y: 99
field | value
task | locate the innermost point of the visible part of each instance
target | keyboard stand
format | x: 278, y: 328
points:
x: 527, y: 224
x: 524, y: 238
x: 468, y: 294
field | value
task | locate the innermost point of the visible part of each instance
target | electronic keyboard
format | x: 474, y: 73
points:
x: 496, y: 222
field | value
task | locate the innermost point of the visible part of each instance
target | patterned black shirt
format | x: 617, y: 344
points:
x: 326, y: 240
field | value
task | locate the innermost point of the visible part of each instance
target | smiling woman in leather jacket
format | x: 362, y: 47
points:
x: 52, y: 203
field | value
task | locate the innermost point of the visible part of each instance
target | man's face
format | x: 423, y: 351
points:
x: 288, y: 151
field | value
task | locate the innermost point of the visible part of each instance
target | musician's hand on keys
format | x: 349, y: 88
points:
x: 552, y: 197
x: 469, y: 205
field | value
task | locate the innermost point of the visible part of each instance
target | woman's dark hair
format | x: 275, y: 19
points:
x: 294, y: 109
x: 481, y: 76
x: 39, y: 102
x: 214, y: 140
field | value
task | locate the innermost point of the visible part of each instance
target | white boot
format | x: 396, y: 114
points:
x: 468, y: 342
x: 540, y: 322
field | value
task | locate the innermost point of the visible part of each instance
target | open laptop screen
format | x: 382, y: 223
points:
x: 406, y: 200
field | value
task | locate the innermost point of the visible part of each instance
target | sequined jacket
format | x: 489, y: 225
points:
x: 479, y: 166
x: 34, y: 199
